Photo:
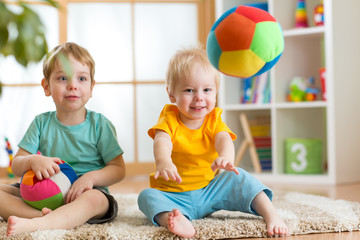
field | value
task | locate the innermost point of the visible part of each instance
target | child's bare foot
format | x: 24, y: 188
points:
x: 179, y: 224
x: 276, y: 227
x: 16, y: 225
x: 263, y: 206
x: 46, y: 211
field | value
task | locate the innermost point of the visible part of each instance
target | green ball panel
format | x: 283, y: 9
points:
x: 243, y: 63
x: 268, y: 41
x: 51, y: 202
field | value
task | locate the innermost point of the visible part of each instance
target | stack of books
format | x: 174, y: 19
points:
x: 256, y: 89
x: 261, y: 132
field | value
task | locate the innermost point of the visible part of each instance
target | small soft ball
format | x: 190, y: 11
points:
x: 244, y: 42
x: 51, y: 192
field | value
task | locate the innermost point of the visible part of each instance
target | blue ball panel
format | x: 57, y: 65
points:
x: 261, y: 5
x: 268, y: 65
x: 68, y: 171
x: 213, y: 49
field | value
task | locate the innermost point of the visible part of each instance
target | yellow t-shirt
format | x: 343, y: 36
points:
x: 193, y: 149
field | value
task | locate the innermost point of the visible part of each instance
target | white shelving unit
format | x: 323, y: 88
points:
x: 336, y: 46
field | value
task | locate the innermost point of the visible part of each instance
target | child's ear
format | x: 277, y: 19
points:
x: 46, y: 87
x: 171, y: 96
x: 92, y: 87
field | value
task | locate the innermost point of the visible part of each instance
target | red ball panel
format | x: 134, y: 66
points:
x: 235, y: 32
x: 255, y: 14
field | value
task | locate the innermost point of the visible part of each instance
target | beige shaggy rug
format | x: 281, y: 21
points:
x: 303, y: 213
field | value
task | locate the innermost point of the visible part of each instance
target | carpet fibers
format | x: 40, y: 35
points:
x: 303, y: 214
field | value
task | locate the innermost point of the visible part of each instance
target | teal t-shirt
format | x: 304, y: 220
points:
x: 87, y: 146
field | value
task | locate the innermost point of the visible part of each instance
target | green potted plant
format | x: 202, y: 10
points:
x: 22, y: 34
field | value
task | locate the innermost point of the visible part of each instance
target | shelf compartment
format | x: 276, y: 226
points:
x: 260, y: 127
x: 311, y: 124
x: 284, y: 11
x: 302, y: 57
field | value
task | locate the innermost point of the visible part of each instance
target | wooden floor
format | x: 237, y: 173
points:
x: 349, y: 192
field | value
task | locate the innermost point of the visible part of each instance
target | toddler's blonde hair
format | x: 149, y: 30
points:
x: 183, y: 63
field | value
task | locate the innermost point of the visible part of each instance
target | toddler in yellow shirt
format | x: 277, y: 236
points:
x: 191, y: 143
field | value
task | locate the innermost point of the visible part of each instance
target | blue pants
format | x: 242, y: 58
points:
x: 226, y: 191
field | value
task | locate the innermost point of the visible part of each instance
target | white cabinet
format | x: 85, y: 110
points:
x: 336, y: 121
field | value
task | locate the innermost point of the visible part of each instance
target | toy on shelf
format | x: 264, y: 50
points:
x: 301, y: 15
x: 319, y: 14
x: 10, y: 154
x: 297, y: 89
x: 311, y: 91
x: 301, y: 89
x: 322, y: 73
x: 244, y: 42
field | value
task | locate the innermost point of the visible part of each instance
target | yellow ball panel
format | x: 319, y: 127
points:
x: 242, y: 63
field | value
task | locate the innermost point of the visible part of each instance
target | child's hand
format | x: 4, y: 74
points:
x: 45, y: 167
x: 81, y: 185
x: 168, y: 171
x: 221, y: 163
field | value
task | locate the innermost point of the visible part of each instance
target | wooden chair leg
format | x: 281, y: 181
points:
x: 244, y: 145
x: 248, y: 142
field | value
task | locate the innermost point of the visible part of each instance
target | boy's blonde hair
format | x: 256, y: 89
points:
x: 183, y: 63
x: 65, y: 50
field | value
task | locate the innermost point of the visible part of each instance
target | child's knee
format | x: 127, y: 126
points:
x: 148, y: 198
x: 237, y: 179
x: 96, y: 199
x: 9, y: 189
x: 145, y: 195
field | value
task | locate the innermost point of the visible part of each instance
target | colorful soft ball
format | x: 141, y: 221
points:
x: 51, y: 192
x: 244, y: 42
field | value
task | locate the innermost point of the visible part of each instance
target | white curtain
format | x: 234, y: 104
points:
x: 19, y: 105
x: 105, y: 29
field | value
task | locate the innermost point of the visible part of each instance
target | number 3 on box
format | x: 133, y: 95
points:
x: 301, y: 156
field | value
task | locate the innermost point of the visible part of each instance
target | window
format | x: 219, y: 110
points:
x: 131, y: 43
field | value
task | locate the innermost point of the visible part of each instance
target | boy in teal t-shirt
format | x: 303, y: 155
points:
x: 79, y: 139
x: 85, y: 139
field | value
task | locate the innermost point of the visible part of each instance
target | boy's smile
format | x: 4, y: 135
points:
x: 198, y: 109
